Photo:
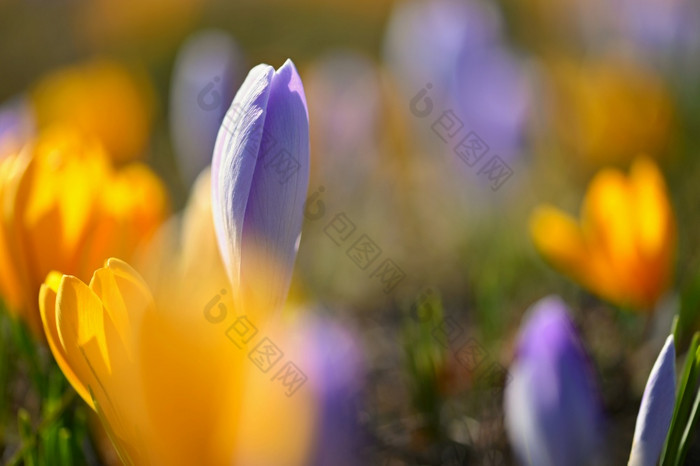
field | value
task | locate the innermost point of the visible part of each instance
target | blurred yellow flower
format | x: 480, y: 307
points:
x: 103, y: 99
x: 605, y: 112
x: 623, y: 247
x: 63, y: 206
x: 171, y: 385
x: 158, y: 23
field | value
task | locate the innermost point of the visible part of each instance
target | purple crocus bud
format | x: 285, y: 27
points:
x: 207, y: 72
x: 260, y: 175
x: 656, y: 410
x: 552, y: 408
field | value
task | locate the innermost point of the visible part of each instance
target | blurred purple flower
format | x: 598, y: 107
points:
x: 207, y: 71
x: 260, y: 175
x: 16, y: 125
x: 657, y: 32
x: 456, y: 49
x: 492, y: 98
x: 656, y: 409
x: 426, y: 38
x: 660, y: 26
x: 552, y: 407
x: 335, y: 362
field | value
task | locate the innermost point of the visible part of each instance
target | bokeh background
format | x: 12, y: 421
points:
x: 557, y: 89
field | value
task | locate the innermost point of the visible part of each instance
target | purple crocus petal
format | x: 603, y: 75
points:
x: 206, y: 73
x: 552, y: 407
x: 656, y: 410
x: 260, y: 175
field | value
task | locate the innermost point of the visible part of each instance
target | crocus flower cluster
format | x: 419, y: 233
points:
x: 177, y: 334
x: 170, y: 387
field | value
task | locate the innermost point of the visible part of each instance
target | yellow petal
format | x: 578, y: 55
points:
x: 70, y: 170
x: 188, y: 362
x: 14, y: 276
x: 559, y: 238
x: 561, y: 241
x: 654, y: 217
x: 655, y: 227
x: 607, y: 216
x: 131, y: 206
x: 120, y: 298
x: 83, y: 335
x: 200, y: 250
x: 47, y: 306
x: 265, y: 401
x: 608, y: 221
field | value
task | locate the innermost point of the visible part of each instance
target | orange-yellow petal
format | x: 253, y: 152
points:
x: 559, y: 238
x: 607, y: 218
x: 14, y: 276
x: 64, y: 207
x: 654, y: 219
x: 80, y: 322
x: 47, y: 306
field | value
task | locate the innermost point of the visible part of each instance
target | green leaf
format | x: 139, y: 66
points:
x: 50, y: 441
x: 24, y: 424
x: 65, y: 452
x: 6, y: 369
x: 27, y: 346
x: 684, y: 403
x: 425, y: 356
x: 689, y: 428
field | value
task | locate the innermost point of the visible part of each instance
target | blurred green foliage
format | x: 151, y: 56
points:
x: 42, y: 420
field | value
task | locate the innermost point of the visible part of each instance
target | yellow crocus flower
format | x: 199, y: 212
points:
x: 607, y: 112
x: 622, y: 248
x: 63, y: 207
x: 170, y: 385
x: 103, y: 99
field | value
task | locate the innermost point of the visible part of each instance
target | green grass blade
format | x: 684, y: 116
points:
x: 689, y: 428
x: 65, y: 450
x: 29, y: 453
x: 684, y: 402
